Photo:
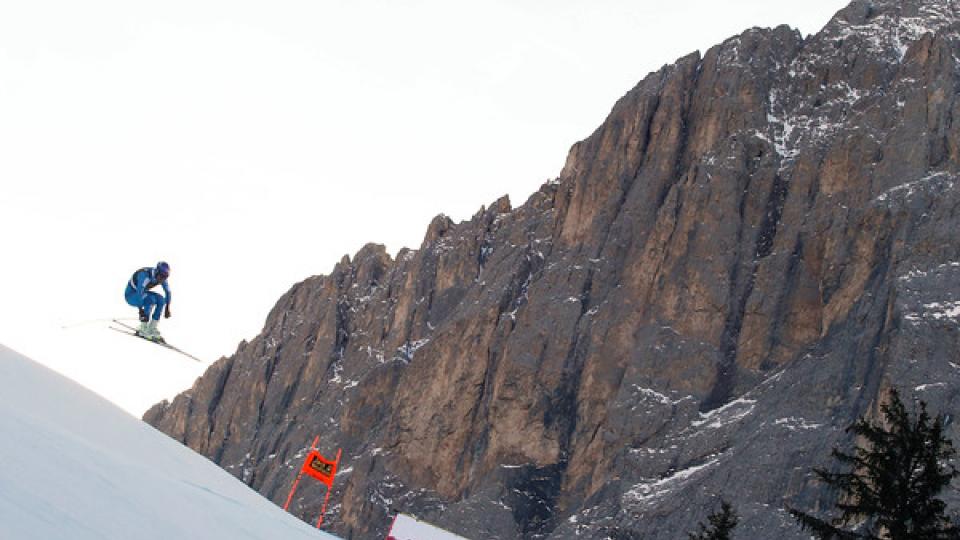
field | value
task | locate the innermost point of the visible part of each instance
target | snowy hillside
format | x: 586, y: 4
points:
x: 72, y: 465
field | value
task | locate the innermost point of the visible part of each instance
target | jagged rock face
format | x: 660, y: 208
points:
x: 752, y: 247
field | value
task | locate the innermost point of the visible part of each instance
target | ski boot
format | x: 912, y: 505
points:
x: 148, y: 330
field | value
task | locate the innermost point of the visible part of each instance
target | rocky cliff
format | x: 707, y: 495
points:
x: 739, y: 261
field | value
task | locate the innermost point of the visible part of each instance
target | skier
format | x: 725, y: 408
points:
x: 149, y: 303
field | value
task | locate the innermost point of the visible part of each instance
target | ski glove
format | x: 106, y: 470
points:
x: 143, y: 315
x: 166, y: 312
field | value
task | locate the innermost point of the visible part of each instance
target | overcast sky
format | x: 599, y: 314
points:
x: 253, y: 144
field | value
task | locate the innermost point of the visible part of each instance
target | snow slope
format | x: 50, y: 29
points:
x: 73, y: 465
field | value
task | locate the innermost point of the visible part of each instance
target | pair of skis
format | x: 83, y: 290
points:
x: 125, y: 328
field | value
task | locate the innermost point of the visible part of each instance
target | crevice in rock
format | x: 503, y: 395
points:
x: 771, y: 220
x: 341, y: 334
x: 532, y: 494
x: 477, y: 443
x: 585, y: 295
x: 216, y: 398
x: 515, y: 296
x: 722, y: 389
x: 537, y: 516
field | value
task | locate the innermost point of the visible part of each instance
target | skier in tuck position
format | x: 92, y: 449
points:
x: 150, y: 304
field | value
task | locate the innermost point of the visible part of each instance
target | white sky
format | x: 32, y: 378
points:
x: 253, y: 144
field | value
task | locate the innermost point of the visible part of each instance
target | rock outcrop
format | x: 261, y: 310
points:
x: 744, y: 256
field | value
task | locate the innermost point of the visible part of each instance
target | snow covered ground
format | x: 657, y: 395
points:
x: 410, y: 528
x: 73, y: 465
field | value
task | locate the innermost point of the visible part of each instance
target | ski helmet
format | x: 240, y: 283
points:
x: 162, y: 270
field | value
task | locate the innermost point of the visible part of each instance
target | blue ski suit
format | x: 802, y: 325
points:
x: 138, y: 292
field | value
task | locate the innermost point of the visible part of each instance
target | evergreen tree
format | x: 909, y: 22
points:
x: 721, y: 526
x: 889, y: 490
